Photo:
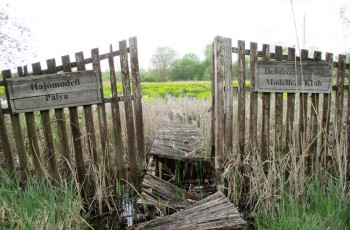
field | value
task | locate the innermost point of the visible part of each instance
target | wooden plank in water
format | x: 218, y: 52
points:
x: 158, y: 192
x: 213, y: 212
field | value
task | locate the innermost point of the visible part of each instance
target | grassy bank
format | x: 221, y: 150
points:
x: 39, y: 205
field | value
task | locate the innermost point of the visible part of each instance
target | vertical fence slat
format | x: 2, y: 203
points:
x: 339, y: 100
x: 314, y: 121
x: 265, y: 125
x: 326, y: 112
x: 128, y: 108
x: 18, y: 135
x: 61, y: 125
x: 75, y: 127
x: 290, y: 109
x: 302, y: 112
x: 347, y: 134
x: 89, y: 120
x: 46, y: 125
x: 241, y: 98
x: 213, y: 107
x: 101, y: 108
x: 6, y: 147
x: 33, y: 137
x: 278, y: 109
x: 228, y: 93
x: 253, y: 109
x: 119, y: 148
x: 140, y: 141
x: 219, y: 110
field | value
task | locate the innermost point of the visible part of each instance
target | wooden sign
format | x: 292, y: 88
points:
x: 292, y: 77
x: 52, y: 91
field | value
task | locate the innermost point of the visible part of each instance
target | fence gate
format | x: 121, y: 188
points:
x: 50, y: 110
x: 308, y: 124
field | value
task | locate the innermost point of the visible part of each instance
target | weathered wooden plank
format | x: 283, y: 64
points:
x: 17, y: 132
x: 325, y: 159
x: 61, y: 126
x: 136, y: 87
x: 46, y: 124
x: 6, y: 147
x: 89, y: 119
x: 128, y: 109
x: 52, y: 91
x: 117, y: 128
x: 302, y: 125
x: 157, y: 192
x: 253, y: 107
x: 339, y: 97
x: 33, y: 137
x: 213, y: 212
x: 265, y: 125
x: 313, y: 132
x: 75, y: 127
x: 278, y: 110
x: 241, y: 98
x: 290, y: 109
x: 101, y: 107
x: 219, y: 50
x: 227, y: 55
x: 213, y: 106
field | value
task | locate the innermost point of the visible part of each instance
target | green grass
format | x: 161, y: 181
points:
x: 322, y: 208
x: 194, y: 89
x: 39, y: 205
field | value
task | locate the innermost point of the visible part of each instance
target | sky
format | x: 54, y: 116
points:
x: 60, y: 27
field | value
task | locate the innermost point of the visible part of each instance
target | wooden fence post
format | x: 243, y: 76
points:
x: 241, y: 99
x: 278, y: 111
x: 290, y: 110
x: 265, y: 125
x: 128, y: 109
x: 136, y: 88
x: 221, y: 48
x: 18, y: 135
x: 117, y: 128
x: 46, y: 123
x: 89, y: 117
x: 33, y: 136
x: 314, y: 124
x: 101, y: 108
x: 61, y: 126
x: 6, y: 147
x: 253, y: 107
x: 74, y: 123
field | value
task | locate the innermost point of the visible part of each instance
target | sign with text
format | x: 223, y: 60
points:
x: 53, y: 91
x: 293, y: 77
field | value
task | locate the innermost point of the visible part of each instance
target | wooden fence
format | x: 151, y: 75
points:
x: 309, y: 124
x: 93, y: 142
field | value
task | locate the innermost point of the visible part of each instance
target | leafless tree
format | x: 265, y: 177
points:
x: 13, y: 40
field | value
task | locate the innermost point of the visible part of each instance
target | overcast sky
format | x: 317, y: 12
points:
x: 61, y: 27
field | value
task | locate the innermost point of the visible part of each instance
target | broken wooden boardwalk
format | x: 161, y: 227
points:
x: 182, y: 142
x: 213, y: 212
x: 181, y: 145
